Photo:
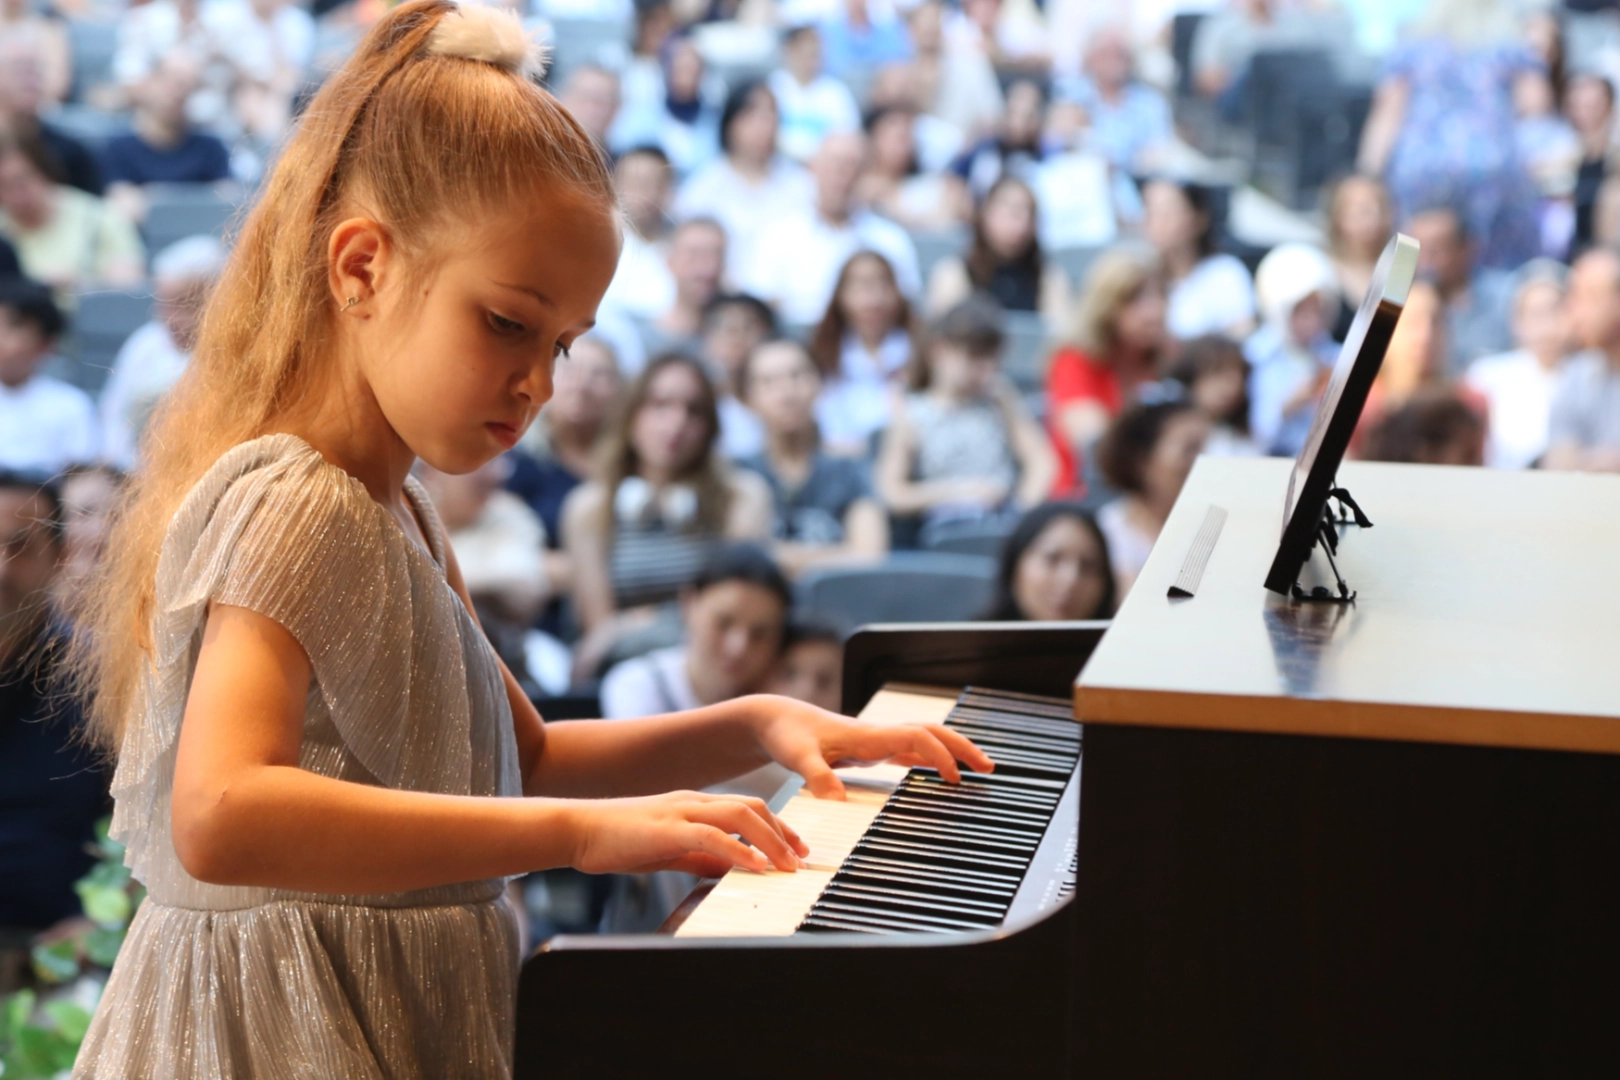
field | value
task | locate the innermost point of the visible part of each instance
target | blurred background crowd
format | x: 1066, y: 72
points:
x: 925, y: 309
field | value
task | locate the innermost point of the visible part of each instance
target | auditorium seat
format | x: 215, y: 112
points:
x: 176, y: 211
x: 908, y: 586
x: 93, y: 42
x: 103, y: 320
x: 978, y: 536
x: 934, y: 245
x: 1024, y: 358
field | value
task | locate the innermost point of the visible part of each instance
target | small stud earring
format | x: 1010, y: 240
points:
x: 353, y: 300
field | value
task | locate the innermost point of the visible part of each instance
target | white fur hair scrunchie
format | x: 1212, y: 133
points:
x: 479, y: 31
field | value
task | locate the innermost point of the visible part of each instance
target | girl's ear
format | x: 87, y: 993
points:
x: 357, y: 254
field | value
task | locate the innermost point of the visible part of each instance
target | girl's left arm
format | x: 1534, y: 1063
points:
x: 694, y: 749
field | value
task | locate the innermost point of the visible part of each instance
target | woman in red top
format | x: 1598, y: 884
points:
x: 1117, y: 343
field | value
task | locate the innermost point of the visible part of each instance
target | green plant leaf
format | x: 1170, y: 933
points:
x: 57, y: 962
x: 18, y: 1008
x: 101, y: 945
x: 72, y: 1021
x: 106, y: 904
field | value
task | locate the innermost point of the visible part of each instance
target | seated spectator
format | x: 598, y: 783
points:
x: 1228, y: 39
x: 155, y: 355
x: 89, y: 494
x: 1361, y: 219
x: 1054, y: 567
x: 1127, y: 122
x: 223, y: 41
x: 796, y: 260
x: 43, y: 36
x: 1210, y: 292
x: 894, y: 184
x: 696, y: 261
x: 1291, y: 356
x: 963, y: 445
x: 286, y: 33
x: 734, y: 612
x: 1005, y: 259
x: 861, y: 36
x: 862, y: 347
x: 64, y: 237
x: 1544, y: 139
x: 54, y: 790
x: 1414, y: 361
x: 1146, y: 456
x: 659, y: 499
x: 23, y: 92
x: 824, y: 509
x: 1012, y: 35
x: 1475, y: 303
x: 811, y: 665
x: 45, y: 424
x: 643, y: 286
x: 749, y: 185
x: 813, y: 103
x: 1518, y: 386
x: 1433, y: 427
x: 591, y: 96
x: 1584, y: 431
x: 1117, y: 343
x: 952, y: 81
x: 1589, y: 105
x: 734, y: 325
x: 163, y: 148
x: 683, y: 119
x: 1014, y: 149
x: 500, y: 545
x: 1215, y: 374
x: 586, y: 393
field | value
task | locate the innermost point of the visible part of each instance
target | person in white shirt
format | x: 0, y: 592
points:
x: 1518, y: 386
x: 643, y: 286
x: 222, y: 38
x: 45, y: 424
x: 591, y: 96
x: 695, y: 260
x: 750, y: 184
x: 1210, y: 293
x: 154, y: 356
x: 797, y: 259
x: 813, y: 103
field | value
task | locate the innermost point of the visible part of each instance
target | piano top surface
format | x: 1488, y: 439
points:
x: 1486, y: 614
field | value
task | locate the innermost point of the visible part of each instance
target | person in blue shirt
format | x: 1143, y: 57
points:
x: 1126, y: 120
x: 863, y: 36
x: 163, y: 147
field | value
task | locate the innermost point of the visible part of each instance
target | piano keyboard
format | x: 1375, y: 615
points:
x: 910, y: 853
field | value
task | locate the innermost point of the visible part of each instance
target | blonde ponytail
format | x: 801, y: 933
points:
x: 418, y: 135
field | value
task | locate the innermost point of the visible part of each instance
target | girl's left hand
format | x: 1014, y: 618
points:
x: 809, y: 740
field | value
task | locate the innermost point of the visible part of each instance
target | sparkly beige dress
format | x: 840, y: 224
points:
x: 264, y: 984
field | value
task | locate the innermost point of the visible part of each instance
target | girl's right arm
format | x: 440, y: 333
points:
x: 245, y: 813
x: 905, y: 496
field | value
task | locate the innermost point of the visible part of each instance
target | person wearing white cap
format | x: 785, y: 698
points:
x: 1291, y: 354
x: 153, y: 357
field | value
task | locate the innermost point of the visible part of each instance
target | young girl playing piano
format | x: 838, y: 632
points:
x: 310, y: 726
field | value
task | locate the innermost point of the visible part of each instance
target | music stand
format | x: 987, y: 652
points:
x: 1307, y: 518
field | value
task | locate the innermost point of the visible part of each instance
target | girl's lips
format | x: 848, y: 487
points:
x: 506, y: 434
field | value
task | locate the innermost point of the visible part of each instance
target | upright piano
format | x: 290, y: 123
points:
x: 1312, y: 839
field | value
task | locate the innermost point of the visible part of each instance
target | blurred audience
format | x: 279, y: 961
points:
x: 45, y: 424
x: 52, y: 787
x: 1589, y: 105
x: 1518, y: 386
x: 734, y: 324
x: 1005, y: 259
x: 811, y: 665
x: 24, y: 91
x: 863, y: 35
x: 1291, y: 356
x: 1054, y: 567
x: 1584, y: 429
x: 823, y: 236
x: 1216, y: 374
x: 1013, y: 149
x: 963, y: 444
x: 1433, y: 427
x: 1117, y: 343
x: 591, y: 94
x: 1127, y: 122
x: 643, y: 287
x: 824, y: 510
x: 162, y: 147
x: 952, y: 81
x: 813, y: 103
x: 42, y: 34
x: 862, y: 347
x: 749, y: 185
x: 1146, y: 456
x: 154, y: 356
x: 1210, y: 292
x: 1361, y: 220
x: 696, y: 261
x: 659, y: 498
x: 1229, y: 37
x: 64, y: 237
x: 682, y: 117
x: 89, y: 494
x: 894, y: 183
x: 1442, y: 126
x: 1475, y: 301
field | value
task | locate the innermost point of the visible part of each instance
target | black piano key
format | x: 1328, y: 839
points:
x: 894, y: 913
x: 949, y: 838
x: 894, y: 924
x: 814, y: 924
x: 964, y: 826
x: 855, y: 892
x: 938, y: 857
x: 968, y: 882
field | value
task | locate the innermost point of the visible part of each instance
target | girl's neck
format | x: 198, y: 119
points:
x: 791, y: 450
x: 749, y: 169
x: 1147, y: 514
x: 870, y: 337
x: 344, y: 423
x: 1181, y: 262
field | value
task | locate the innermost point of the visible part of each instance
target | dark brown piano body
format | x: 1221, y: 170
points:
x: 1248, y: 906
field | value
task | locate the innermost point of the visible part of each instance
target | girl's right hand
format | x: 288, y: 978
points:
x: 683, y: 830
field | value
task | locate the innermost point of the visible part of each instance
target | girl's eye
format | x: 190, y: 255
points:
x: 561, y: 350
x: 503, y: 325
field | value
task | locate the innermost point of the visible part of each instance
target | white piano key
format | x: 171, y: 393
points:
x: 747, y: 903
x: 831, y: 828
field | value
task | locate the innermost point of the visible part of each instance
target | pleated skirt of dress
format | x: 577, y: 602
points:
x: 297, y: 990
